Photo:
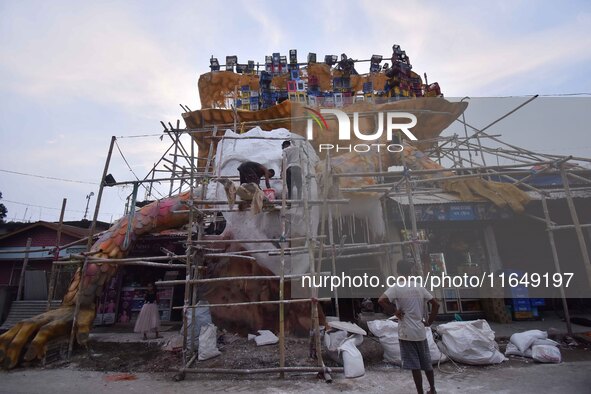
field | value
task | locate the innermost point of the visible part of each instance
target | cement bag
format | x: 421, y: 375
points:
x: 202, y: 318
x: 546, y: 354
x: 357, y: 339
x: 436, y: 355
x: 513, y: 350
x: 266, y: 337
x: 208, y: 343
x: 334, y: 339
x: 387, y: 333
x: 548, y: 342
x: 523, y: 340
x: 470, y: 342
x: 352, y: 359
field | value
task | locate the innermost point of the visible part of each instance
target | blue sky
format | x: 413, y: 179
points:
x: 74, y: 73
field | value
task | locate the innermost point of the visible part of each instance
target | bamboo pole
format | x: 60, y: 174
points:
x: 21, y: 280
x: 276, y: 302
x: 238, y: 256
x: 292, y: 202
x: 89, y: 245
x: 231, y: 278
x: 570, y: 226
x: 248, y: 241
x: 188, y: 270
x: 307, y: 220
x: 51, y: 290
x: 27, y: 250
x: 413, y: 221
x: 577, y: 224
x: 260, y: 370
x: 569, y: 328
x: 331, y: 240
x: 580, y: 178
x: 130, y: 259
x: 434, y: 171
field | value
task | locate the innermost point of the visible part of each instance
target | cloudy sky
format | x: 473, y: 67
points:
x: 72, y: 74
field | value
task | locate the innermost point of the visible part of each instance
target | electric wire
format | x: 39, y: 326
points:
x: 48, y: 177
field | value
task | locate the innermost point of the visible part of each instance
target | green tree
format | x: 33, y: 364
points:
x: 3, y: 210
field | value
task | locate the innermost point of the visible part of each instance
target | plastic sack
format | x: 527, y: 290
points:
x: 387, y: 333
x: 546, y: 354
x: 524, y: 340
x: 513, y: 350
x: 334, y: 339
x: 357, y: 339
x: 266, y: 337
x: 352, y: 359
x: 202, y: 318
x: 208, y: 343
x: 436, y: 355
x: 470, y: 342
x: 548, y: 342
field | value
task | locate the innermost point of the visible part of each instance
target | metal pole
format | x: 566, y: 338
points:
x: 21, y: 281
x: 569, y: 328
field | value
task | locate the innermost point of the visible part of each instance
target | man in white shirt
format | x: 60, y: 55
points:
x: 408, y: 304
x: 293, y: 171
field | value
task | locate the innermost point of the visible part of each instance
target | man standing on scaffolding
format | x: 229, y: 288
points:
x: 293, y: 173
x: 251, y: 172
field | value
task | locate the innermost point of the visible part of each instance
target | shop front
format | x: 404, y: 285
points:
x: 461, y: 241
x: 123, y: 296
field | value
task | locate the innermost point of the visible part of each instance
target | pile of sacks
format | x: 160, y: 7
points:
x: 341, y: 340
x: 470, y: 342
x: 387, y: 333
x: 534, y: 344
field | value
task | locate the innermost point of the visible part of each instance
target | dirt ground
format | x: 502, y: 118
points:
x: 133, y: 365
x: 240, y: 353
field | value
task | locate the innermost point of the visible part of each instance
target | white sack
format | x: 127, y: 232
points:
x: 357, y: 339
x: 513, y: 350
x: 546, y: 354
x: 470, y: 342
x: 334, y: 339
x: 436, y: 355
x: 352, y: 359
x: 208, y: 342
x: 387, y: 333
x: 548, y: 342
x: 523, y: 340
x: 266, y: 337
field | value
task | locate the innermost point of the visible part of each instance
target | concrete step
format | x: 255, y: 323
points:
x: 21, y: 310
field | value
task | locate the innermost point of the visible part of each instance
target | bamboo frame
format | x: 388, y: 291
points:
x: 450, y: 147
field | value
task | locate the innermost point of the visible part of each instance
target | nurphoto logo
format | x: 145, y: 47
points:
x: 384, y: 121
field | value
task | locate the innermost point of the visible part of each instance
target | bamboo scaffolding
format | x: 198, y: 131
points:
x: 127, y: 260
x: 242, y: 278
x: 248, y: 241
x: 448, y: 147
x: 324, y: 370
x: 271, y: 302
